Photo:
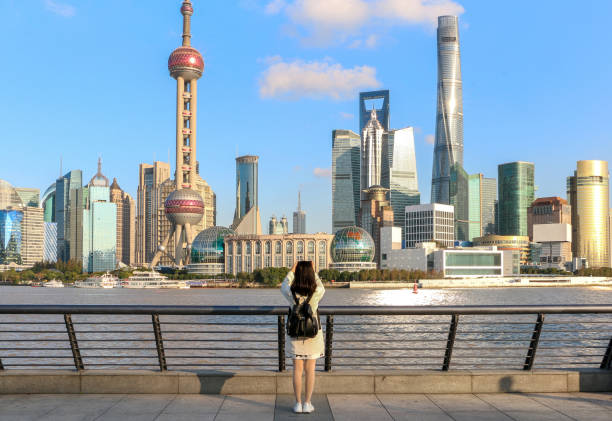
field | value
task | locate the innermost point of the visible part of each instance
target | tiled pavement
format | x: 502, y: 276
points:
x: 509, y: 406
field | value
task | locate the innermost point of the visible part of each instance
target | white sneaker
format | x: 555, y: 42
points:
x: 297, y: 408
x: 307, y: 408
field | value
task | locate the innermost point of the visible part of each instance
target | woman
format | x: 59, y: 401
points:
x: 302, y: 280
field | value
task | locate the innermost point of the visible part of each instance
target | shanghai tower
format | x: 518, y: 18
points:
x: 448, y: 148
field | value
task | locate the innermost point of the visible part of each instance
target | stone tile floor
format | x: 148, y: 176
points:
x: 509, y: 406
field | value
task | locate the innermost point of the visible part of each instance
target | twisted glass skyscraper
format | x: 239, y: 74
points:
x: 448, y: 149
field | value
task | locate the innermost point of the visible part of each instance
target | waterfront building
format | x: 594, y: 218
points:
x: 482, y: 197
x: 399, y: 172
x: 249, y: 252
x: 516, y: 192
x: 448, y: 147
x: 71, y: 181
x: 278, y: 227
x: 126, y: 230
x: 346, y: 181
x: 50, y: 242
x: 371, y: 154
x: 549, y: 221
x: 48, y: 204
x: 393, y: 256
x: 462, y: 263
x: 515, y: 243
x: 432, y: 222
x: 459, y: 199
x: 376, y: 213
x: 247, y: 219
x: 299, y: 218
x: 184, y: 207
x: 352, y: 249
x: 208, y: 251
x: 588, y: 192
x: 365, y: 110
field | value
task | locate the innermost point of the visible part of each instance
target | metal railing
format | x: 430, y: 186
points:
x: 196, y: 337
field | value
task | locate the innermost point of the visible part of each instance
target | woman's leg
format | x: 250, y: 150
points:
x: 298, y: 367
x: 310, y: 378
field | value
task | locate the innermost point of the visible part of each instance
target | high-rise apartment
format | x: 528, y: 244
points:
x: 367, y: 102
x: 346, y: 179
x: 432, y: 222
x: 516, y: 192
x: 371, y: 154
x: 246, y: 216
x: 299, y: 218
x: 448, y: 148
x: 482, y: 196
x: 399, y: 172
x: 588, y: 191
x: 126, y: 229
x: 72, y: 180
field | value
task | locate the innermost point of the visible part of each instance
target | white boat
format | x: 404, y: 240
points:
x: 105, y: 281
x: 54, y: 283
x: 152, y: 279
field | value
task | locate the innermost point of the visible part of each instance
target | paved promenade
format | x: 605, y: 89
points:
x: 485, y: 407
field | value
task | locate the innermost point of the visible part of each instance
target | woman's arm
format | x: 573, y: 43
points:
x: 318, y: 294
x: 286, y: 285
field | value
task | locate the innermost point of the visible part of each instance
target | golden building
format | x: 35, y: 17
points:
x: 588, y: 191
x: 126, y: 230
x: 519, y: 243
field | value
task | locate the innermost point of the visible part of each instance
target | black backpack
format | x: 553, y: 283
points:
x: 302, y: 323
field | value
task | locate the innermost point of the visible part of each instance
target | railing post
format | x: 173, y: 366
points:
x: 606, y: 363
x: 159, y: 342
x: 329, y: 340
x: 1, y: 366
x: 450, y: 342
x: 281, y: 343
x: 74, y: 345
x: 533, y: 345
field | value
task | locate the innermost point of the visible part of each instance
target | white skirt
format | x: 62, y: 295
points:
x: 306, y: 349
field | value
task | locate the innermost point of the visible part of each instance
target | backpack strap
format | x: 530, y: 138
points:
x: 295, y: 298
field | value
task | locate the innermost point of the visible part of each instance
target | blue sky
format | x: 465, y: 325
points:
x: 88, y: 78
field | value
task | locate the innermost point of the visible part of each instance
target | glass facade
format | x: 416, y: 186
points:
x: 473, y: 259
x: 50, y: 242
x: 399, y: 173
x: 482, y: 197
x: 352, y: 245
x: 71, y: 181
x: 246, y: 185
x: 516, y: 193
x: 345, y: 179
x: 10, y: 236
x: 382, y: 113
x: 459, y: 198
x: 99, y: 230
x: 371, y: 154
x: 448, y: 148
x: 209, y: 245
x: 48, y: 204
x: 473, y: 271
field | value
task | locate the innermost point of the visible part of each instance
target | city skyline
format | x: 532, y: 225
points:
x: 517, y: 136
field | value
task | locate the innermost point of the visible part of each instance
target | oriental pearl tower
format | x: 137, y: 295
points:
x: 184, y: 207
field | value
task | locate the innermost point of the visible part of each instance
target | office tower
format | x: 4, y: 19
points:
x: 246, y: 216
x: 371, y: 154
x: 434, y: 222
x: 149, y: 202
x: 32, y: 235
x: 48, y: 204
x: 29, y: 197
x: 276, y: 227
x: 63, y: 186
x: 482, y: 195
x: 549, y: 221
x: 588, y: 192
x: 299, y: 218
x: 184, y: 207
x: 376, y: 213
x: 126, y: 230
x: 399, y: 173
x: 516, y: 192
x: 459, y: 199
x: 448, y: 148
x: 346, y: 196
x: 366, y: 100
x: 50, y: 242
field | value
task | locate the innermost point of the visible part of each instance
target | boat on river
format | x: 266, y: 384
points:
x: 152, y: 279
x: 54, y: 283
x: 105, y: 281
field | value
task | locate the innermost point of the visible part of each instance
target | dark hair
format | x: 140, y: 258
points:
x: 304, y: 282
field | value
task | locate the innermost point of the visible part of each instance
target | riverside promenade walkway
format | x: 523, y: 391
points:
x: 357, y: 407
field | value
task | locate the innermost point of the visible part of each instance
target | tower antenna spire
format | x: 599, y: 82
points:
x: 299, y: 200
x: 187, y: 11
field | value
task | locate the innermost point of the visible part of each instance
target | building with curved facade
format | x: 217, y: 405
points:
x: 352, y: 249
x: 516, y: 243
x: 588, y: 191
x: 248, y: 252
x: 208, y: 251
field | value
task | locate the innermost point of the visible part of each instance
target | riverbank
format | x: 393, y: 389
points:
x: 505, y: 282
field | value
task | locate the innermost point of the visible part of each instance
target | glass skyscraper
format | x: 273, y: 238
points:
x: 71, y: 181
x: 482, y: 196
x: 399, y: 173
x: 10, y: 236
x: 459, y: 198
x: 371, y: 154
x: 345, y: 178
x: 246, y: 185
x: 382, y: 113
x: 48, y: 204
x: 448, y: 148
x: 516, y: 193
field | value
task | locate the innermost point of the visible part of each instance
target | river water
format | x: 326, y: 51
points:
x: 216, y: 342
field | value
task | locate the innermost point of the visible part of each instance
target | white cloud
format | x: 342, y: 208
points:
x: 333, y: 21
x: 347, y: 116
x: 61, y: 9
x: 322, y: 172
x: 314, y: 79
x: 430, y: 139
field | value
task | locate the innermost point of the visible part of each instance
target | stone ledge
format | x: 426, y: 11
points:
x: 268, y: 382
